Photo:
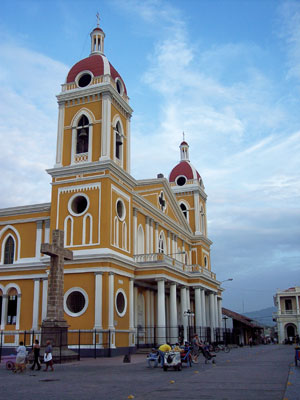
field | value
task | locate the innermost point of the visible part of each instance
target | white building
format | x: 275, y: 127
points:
x: 288, y: 313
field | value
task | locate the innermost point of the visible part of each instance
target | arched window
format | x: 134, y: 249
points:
x: 82, y: 142
x: 9, y: 251
x: 184, y: 210
x: 124, y: 236
x: 161, y: 243
x: 118, y: 142
x: 12, y: 307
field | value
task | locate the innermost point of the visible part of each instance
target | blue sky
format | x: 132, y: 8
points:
x: 225, y: 72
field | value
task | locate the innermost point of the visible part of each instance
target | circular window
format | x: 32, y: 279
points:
x: 120, y: 209
x: 121, y: 302
x: 78, y: 204
x: 75, y: 302
x: 181, y: 180
x: 84, y: 80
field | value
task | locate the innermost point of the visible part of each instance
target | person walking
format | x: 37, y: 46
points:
x: 48, y: 356
x: 36, y: 355
x: 21, y: 358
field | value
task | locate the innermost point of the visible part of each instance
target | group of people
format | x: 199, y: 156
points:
x: 154, y: 355
x: 22, y: 355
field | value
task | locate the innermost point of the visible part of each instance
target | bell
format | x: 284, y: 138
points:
x: 119, y: 140
x: 83, y: 133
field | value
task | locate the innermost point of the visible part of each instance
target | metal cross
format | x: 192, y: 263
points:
x: 98, y: 19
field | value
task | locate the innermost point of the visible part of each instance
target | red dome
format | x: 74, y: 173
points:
x: 184, y: 168
x: 97, y: 64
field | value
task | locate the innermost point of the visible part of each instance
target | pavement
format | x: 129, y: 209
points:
x: 260, y: 373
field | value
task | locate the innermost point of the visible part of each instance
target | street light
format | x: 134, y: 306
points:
x: 225, y: 336
x: 189, y: 314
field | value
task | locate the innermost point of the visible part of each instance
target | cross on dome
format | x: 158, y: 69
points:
x: 98, y: 19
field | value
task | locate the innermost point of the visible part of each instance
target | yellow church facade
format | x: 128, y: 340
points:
x: 141, y: 266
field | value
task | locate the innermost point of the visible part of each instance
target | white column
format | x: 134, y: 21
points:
x: 212, y: 314
x: 44, y: 298
x: 98, y: 300
x: 184, y: 318
x: 135, y: 291
x: 204, y: 322
x: 4, y: 310
x: 36, y: 302
x: 152, y: 315
x: 151, y: 235
x: 219, y: 300
x: 134, y: 231
x: 148, y: 316
x: 198, y: 309
x: 147, y: 236
x: 47, y: 231
x: 111, y: 325
x: 197, y: 214
x: 18, y: 311
x: 38, y: 241
x: 60, y: 132
x: 156, y: 237
x: 161, y: 312
x: 297, y: 306
x: 216, y: 311
x: 106, y: 127
x: 173, y: 313
x: 128, y: 144
x: 131, y: 313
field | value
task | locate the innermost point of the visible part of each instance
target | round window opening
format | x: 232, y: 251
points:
x: 75, y: 302
x: 84, y: 80
x: 119, y: 86
x: 120, y: 303
x: 181, y: 181
x: 79, y: 204
x: 120, y: 209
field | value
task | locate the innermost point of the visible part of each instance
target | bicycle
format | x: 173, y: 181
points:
x: 221, y: 347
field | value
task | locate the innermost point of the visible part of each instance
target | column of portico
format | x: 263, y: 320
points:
x: 216, y: 311
x: 131, y: 313
x: 44, y: 298
x: 173, y: 313
x: 184, y: 318
x: 148, y: 316
x: 161, y: 312
x: 111, y: 325
x: 152, y: 321
x: 203, y: 319
x: 198, y: 309
x: 212, y: 314
x: 219, y: 302
x: 36, y: 302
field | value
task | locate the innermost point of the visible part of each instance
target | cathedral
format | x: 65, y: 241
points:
x: 141, y: 267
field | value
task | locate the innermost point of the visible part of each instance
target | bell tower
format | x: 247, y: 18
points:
x: 94, y: 113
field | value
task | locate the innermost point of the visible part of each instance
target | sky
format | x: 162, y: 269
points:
x: 227, y: 73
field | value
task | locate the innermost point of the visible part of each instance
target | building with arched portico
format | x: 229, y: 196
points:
x: 141, y: 267
x: 288, y: 314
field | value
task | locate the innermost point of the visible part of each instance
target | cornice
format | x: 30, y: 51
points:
x: 34, y: 208
x: 190, y: 188
x: 92, y: 90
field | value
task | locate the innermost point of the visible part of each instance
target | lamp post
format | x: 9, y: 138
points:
x: 226, y: 280
x: 189, y: 314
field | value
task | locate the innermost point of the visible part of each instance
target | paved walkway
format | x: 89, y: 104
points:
x: 260, y: 373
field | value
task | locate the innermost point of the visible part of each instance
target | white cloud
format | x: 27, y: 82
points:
x: 28, y: 123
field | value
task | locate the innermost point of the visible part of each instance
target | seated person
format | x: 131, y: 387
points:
x: 178, y: 348
x: 164, y: 348
x: 153, y: 356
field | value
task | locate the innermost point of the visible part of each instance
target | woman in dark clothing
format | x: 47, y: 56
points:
x: 36, y: 353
